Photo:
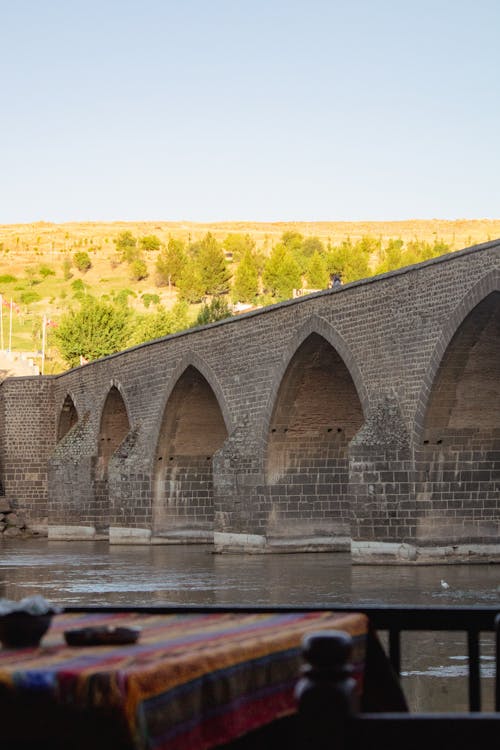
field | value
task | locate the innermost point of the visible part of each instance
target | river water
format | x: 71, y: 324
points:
x: 73, y: 573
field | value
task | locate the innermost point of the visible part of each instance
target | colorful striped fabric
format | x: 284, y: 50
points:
x: 192, y: 681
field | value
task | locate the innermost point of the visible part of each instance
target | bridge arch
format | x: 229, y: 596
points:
x: 191, y: 359
x: 315, y: 414
x: 193, y: 427
x: 68, y: 417
x: 459, y: 435
x: 315, y: 325
x: 114, y: 427
x: 482, y: 289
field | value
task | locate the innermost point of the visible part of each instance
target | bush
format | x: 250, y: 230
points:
x: 46, y: 271
x: 7, y: 279
x: 77, y: 285
x: 148, y: 299
x: 121, y: 297
x: 66, y: 269
x: 138, y: 270
x: 126, y: 248
x: 28, y: 297
x: 82, y: 261
x: 216, y: 310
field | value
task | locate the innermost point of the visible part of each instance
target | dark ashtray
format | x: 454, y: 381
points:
x: 22, y: 629
x: 101, y: 636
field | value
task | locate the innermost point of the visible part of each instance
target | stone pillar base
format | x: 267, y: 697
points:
x: 184, y: 536
x: 396, y: 553
x: 227, y: 542
x: 126, y: 535
x: 75, y: 533
x: 260, y: 544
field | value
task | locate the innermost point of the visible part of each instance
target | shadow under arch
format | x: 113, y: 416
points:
x: 480, y: 291
x: 68, y: 417
x: 316, y: 413
x: 314, y: 325
x: 114, y: 427
x: 191, y: 359
x: 192, y: 429
x: 458, y: 450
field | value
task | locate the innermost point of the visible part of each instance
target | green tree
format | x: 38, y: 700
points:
x: 126, y: 247
x: 238, y: 245
x: 95, y: 330
x: 348, y: 261
x: 312, y: 245
x: 391, y: 257
x: 150, y: 243
x: 190, y: 284
x: 246, y: 279
x: 82, y: 261
x: 160, y: 323
x: 138, y: 270
x: 212, y: 266
x: 281, y: 273
x: 417, y: 251
x: 216, y: 309
x: 317, y: 275
x: 292, y: 240
x: 171, y: 263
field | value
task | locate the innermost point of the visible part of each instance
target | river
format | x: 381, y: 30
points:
x: 95, y: 573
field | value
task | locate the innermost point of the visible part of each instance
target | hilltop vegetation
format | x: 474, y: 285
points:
x: 104, y: 287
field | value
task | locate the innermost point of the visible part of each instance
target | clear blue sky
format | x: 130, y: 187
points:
x: 259, y: 110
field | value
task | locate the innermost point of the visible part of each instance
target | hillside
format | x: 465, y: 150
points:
x: 53, y: 239
x: 37, y: 269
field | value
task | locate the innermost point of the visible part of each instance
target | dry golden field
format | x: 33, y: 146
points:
x: 48, y: 239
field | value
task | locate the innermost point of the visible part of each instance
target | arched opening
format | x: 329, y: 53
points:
x: 316, y: 415
x: 113, y: 430
x: 459, y: 459
x: 67, y: 418
x: 192, y: 430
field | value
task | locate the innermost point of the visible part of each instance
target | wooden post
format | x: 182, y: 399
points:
x: 326, y: 691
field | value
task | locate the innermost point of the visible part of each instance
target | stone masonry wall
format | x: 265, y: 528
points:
x: 384, y: 338
x: 28, y: 439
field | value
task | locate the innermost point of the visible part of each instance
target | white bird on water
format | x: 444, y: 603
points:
x: 444, y: 585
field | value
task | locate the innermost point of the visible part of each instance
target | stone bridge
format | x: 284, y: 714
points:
x: 363, y: 418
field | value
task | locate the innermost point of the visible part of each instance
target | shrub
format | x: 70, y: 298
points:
x: 148, y: 299
x: 77, y: 285
x: 7, y: 279
x: 46, y: 271
x: 216, y: 310
x: 138, y: 270
x: 82, y: 261
x: 121, y: 297
x: 28, y: 297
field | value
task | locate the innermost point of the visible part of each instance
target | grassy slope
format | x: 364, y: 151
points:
x: 29, y: 246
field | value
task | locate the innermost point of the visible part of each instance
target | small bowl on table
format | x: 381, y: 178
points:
x: 22, y: 629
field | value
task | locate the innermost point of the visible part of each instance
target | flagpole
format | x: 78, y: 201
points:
x: 10, y: 327
x: 44, y: 326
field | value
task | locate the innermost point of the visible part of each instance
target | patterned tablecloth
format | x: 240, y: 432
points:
x: 191, y: 681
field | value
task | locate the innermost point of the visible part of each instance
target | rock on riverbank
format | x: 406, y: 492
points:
x: 12, y: 522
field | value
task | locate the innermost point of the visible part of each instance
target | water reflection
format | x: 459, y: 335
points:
x: 94, y: 573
